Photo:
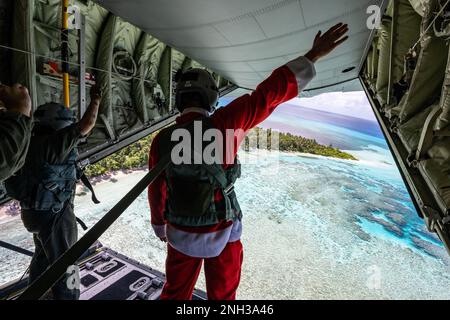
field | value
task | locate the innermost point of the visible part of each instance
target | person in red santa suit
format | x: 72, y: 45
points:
x: 193, y: 204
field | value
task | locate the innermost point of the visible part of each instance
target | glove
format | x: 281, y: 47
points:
x: 160, y: 232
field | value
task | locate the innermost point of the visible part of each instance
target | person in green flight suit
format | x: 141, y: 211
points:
x: 46, y: 186
x: 15, y: 128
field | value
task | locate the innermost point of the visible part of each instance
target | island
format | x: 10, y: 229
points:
x: 135, y: 156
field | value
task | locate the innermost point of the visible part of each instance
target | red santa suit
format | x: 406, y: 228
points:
x: 218, y: 246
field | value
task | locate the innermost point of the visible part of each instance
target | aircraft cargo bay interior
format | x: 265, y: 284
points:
x: 328, y: 122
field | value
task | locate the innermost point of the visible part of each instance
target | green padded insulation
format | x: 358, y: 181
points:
x: 136, y: 89
x: 410, y: 131
x: 419, y: 6
x: 436, y: 171
x: 444, y: 119
x: 147, y: 56
x: 407, y: 32
x: 429, y: 73
x: 384, y: 39
x: 116, y: 107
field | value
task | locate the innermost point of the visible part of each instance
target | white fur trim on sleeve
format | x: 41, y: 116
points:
x: 304, y: 71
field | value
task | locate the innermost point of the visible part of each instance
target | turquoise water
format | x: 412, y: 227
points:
x: 374, y: 185
x: 314, y: 228
x: 326, y: 223
x: 371, y: 193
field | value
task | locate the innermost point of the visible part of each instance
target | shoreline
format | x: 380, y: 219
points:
x: 6, y: 214
x: 114, y: 176
x: 295, y: 225
x: 111, y: 176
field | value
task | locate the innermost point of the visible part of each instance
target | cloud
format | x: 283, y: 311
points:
x: 354, y: 104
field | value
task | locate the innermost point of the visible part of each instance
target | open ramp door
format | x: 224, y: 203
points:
x: 406, y: 76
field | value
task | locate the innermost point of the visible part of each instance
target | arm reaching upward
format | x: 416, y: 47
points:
x: 326, y: 43
x: 87, y: 122
x: 284, y: 84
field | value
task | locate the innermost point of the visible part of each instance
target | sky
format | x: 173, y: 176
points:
x: 343, y: 119
x: 354, y: 104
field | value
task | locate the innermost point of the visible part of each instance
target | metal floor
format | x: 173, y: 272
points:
x: 108, y: 275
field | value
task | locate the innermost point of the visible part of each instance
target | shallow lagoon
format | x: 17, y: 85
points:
x: 314, y: 228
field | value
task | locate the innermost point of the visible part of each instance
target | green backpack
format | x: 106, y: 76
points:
x: 48, y: 188
x: 191, y: 188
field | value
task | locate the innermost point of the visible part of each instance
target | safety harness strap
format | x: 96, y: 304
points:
x: 88, y: 185
x: 12, y: 247
x: 39, y: 287
x: 82, y: 224
x: 219, y: 174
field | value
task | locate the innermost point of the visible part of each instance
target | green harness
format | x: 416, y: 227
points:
x: 49, y: 187
x: 191, y: 188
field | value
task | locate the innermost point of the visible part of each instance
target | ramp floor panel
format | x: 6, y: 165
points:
x: 108, y: 275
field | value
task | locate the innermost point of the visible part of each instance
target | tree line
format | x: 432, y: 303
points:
x: 136, y: 155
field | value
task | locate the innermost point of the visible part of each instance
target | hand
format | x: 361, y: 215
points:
x: 96, y: 93
x: 23, y: 109
x: 326, y: 43
x: 160, y: 232
x: 15, y: 98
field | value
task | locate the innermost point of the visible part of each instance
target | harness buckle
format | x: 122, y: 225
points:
x: 228, y: 190
x: 52, y: 186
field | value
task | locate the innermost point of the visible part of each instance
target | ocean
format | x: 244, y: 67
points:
x: 314, y: 227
